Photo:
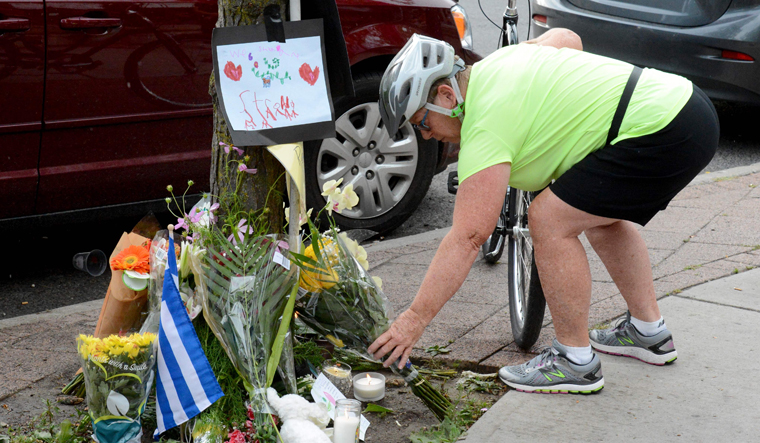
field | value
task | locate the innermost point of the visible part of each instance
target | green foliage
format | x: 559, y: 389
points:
x: 45, y: 429
x: 436, y: 350
x: 357, y: 363
x: 307, y: 350
x: 230, y: 408
x: 458, y: 419
x: 381, y: 411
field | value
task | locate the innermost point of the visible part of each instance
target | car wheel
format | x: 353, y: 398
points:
x: 390, y: 175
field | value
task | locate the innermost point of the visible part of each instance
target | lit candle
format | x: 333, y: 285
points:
x: 346, y: 423
x: 369, y: 386
x: 339, y: 374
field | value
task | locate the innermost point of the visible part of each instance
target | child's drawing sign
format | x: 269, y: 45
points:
x: 308, y: 74
x: 269, y: 85
x: 233, y: 72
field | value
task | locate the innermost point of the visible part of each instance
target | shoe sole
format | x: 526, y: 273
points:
x: 558, y: 389
x: 640, y: 354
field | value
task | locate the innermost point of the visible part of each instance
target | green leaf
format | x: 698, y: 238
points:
x: 371, y: 407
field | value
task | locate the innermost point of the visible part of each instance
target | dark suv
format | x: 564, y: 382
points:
x: 104, y: 103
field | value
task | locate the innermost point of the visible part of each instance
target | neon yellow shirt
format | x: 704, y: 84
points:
x: 545, y: 109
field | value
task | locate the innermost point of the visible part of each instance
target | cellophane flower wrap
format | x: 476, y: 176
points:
x: 249, y: 291
x: 339, y: 300
x: 118, y: 374
x: 189, y: 277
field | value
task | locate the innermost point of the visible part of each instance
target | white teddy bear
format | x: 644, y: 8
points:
x: 302, y: 422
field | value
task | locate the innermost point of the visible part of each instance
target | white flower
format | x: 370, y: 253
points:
x: 356, y: 250
x: 350, y: 196
x: 331, y: 187
x: 301, y: 220
x: 336, y: 202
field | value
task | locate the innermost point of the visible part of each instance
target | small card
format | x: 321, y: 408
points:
x: 281, y: 260
x: 325, y: 392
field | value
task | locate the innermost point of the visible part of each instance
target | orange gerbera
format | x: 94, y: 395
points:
x: 133, y: 258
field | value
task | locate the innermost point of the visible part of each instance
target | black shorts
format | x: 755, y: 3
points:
x: 635, y: 178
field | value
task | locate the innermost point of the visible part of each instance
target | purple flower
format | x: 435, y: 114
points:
x: 239, y: 231
x: 243, y: 168
x: 181, y: 224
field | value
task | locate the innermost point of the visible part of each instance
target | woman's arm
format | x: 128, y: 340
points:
x: 479, y: 200
x: 558, y: 38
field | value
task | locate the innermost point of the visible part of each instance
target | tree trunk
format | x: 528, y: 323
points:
x: 270, y: 173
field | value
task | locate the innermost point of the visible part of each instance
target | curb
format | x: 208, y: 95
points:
x: 50, y: 314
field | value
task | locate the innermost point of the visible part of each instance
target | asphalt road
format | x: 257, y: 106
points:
x: 36, y: 272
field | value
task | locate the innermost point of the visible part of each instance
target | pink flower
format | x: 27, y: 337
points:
x: 282, y: 245
x: 243, y: 168
x: 239, y: 231
x: 228, y: 147
x: 204, y: 215
x: 181, y: 224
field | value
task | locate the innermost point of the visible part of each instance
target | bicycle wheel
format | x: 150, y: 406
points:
x: 494, y: 246
x: 526, y: 298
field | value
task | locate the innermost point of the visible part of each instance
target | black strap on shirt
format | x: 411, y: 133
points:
x: 623, y: 104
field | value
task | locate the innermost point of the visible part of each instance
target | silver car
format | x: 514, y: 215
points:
x: 714, y: 43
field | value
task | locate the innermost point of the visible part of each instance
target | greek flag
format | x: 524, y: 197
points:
x: 186, y: 384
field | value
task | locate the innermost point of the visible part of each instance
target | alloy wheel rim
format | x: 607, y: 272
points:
x: 380, y: 168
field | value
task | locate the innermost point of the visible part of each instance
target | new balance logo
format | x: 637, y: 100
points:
x: 625, y: 341
x: 558, y: 374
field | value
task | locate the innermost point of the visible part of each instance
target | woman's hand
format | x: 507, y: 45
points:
x: 399, y: 338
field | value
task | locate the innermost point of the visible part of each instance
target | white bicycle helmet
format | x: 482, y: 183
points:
x: 410, y: 75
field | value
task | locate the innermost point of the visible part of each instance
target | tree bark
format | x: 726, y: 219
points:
x: 270, y: 173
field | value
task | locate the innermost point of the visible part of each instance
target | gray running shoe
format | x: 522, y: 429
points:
x: 624, y: 339
x: 552, y: 373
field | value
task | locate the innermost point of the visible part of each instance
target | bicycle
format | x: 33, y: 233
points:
x: 526, y: 297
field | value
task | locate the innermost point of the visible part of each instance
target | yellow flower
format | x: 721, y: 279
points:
x: 336, y: 341
x: 318, y: 279
x: 132, y: 350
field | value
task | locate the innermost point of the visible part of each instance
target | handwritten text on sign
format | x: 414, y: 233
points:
x: 273, y: 85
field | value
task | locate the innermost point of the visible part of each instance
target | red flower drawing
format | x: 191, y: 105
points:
x: 233, y: 72
x: 255, y: 64
x: 309, y: 75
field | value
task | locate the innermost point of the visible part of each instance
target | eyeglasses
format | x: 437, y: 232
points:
x: 422, y: 126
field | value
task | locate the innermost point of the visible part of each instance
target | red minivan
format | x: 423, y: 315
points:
x: 103, y: 103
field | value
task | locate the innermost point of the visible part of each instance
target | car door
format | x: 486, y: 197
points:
x: 22, y: 70
x: 127, y: 109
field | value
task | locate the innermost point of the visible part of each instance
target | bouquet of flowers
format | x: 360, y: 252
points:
x: 189, y: 278
x: 339, y: 299
x: 118, y: 373
x: 248, y: 302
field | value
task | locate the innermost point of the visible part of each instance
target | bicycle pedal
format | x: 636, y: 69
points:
x: 453, y: 182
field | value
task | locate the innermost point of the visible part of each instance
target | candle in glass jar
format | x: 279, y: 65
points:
x: 369, y: 386
x: 346, y: 423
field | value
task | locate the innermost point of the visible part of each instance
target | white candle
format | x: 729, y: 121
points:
x: 369, y: 387
x: 345, y: 429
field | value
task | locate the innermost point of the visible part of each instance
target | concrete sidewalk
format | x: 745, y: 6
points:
x: 708, y: 232
x: 709, y: 394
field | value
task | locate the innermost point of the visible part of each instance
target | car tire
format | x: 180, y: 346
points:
x: 390, y: 175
